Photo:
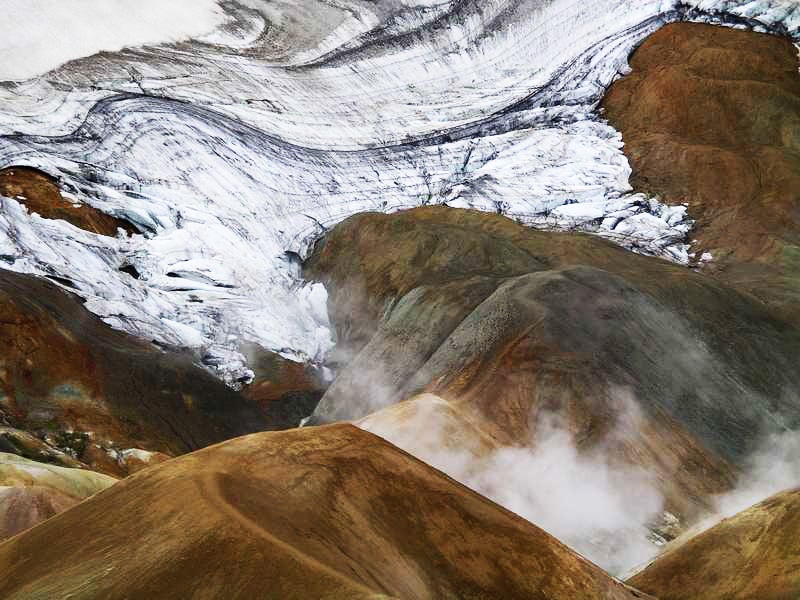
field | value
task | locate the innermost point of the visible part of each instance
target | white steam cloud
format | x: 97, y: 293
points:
x: 774, y: 467
x: 39, y: 35
x: 610, y: 511
x: 599, y: 507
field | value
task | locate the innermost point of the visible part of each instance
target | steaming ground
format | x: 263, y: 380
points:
x: 604, y: 509
x: 601, y: 508
x: 774, y: 467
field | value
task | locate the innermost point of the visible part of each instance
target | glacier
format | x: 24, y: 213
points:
x: 234, y: 151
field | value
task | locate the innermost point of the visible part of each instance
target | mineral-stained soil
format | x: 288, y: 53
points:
x: 710, y: 116
x: 755, y: 554
x: 505, y: 323
x: 84, y: 388
x: 31, y: 492
x: 331, y: 512
x: 23, y: 507
x: 40, y: 194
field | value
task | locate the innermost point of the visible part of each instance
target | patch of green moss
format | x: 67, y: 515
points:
x: 791, y: 265
x: 71, y: 442
x: 51, y: 425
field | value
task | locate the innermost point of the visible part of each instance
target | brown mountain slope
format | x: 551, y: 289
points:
x: 286, y: 391
x: 85, y: 388
x: 506, y: 323
x: 40, y: 194
x: 710, y: 116
x: 330, y: 512
x: 431, y: 425
x: 755, y: 554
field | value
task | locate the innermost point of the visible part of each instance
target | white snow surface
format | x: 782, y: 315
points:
x: 39, y: 35
x: 235, y: 151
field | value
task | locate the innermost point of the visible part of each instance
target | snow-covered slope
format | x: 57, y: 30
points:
x: 234, y: 151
